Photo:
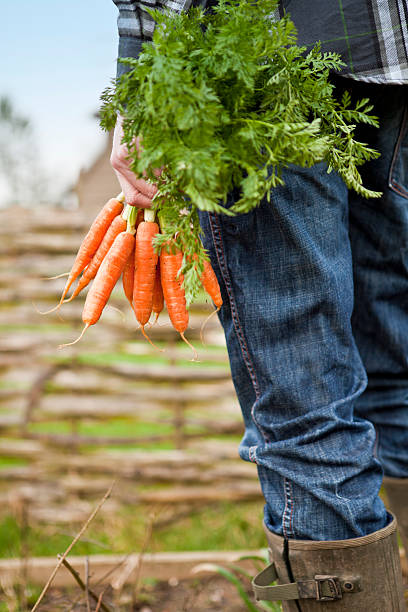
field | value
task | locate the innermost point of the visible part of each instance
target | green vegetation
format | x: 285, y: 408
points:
x: 119, y: 427
x: 223, y: 526
x: 159, y: 359
x: 11, y: 462
x: 241, y: 580
x: 34, y: 327
x: 227, y: 99
x: 43, y: 541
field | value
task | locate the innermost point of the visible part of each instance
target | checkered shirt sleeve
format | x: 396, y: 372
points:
x: 136, y: 26
x: 371, y: 36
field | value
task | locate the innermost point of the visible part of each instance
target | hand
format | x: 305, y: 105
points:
x: 137, y: 191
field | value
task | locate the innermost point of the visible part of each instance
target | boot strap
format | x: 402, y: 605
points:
x: 321, y: 588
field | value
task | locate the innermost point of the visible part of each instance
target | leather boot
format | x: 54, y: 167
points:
x: 396, y: 490
x: 334, y: 576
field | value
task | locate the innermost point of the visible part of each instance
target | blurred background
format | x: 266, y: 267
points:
x: 55, y: 60
x: 111, y: 408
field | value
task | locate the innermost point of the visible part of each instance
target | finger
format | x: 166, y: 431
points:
x: 120, y: 163
x: 148, y: 189
x: 123, y: 172
x: 141, y: 201
x: 133, y: 197
x: 133, y: 188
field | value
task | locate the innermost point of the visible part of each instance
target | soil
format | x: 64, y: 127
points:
x: 211, y: 594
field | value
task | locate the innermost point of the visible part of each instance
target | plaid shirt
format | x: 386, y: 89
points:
x: 370, y: 35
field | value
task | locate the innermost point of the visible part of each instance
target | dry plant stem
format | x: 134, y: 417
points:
x: 87, y: 593
x: 24, y: 531
x: 83, y: 586
x: 146, y: 540
x: 112, y: 570
x: 68, y: 550
x: 99, y: 604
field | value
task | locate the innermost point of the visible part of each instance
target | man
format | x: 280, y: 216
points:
x: 315, y: 290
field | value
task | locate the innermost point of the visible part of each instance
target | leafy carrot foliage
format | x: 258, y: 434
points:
x: 227, y: 99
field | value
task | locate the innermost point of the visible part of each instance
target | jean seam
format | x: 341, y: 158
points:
x: 376, y: 441
x: 398, y: 189
x: 219, y: 248
x: 287, y: 519
x: 392, y: 183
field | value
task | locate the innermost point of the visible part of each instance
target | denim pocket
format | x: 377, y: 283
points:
x: 398, y: 176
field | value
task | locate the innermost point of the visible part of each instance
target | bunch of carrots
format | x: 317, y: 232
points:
x: 120, y: 242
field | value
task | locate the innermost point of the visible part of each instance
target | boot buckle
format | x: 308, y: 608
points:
x: 328, y: 588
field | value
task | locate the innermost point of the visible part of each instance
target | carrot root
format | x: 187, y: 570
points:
x: 195, y: 354
x: 205, y: 323
x: 45, y: 312
x: 57, y: 307
x: 70, y: 298
x: 148, y: 339
x: 122, y: 314
x: 64, y: 293
x: 54, y: 277
x: 61, y: 346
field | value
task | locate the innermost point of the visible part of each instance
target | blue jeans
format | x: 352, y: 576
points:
x: 315, y: 314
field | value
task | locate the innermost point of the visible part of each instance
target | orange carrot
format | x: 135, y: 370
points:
x: 106, y: 279
x: 91, y: 242
x: 170, y: 264
x: 117, y: 226
x: 158, y: 299
x: 210, y: 284
x: 128, y: 277
x: 145, y: 269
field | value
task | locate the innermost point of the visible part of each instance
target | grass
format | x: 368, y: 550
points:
x: 43, y: 541
x: 149, y: 359
x: 218, y: 527
x: 124, y: 428
x: 13, y: 385
x: 113, y: 427
x: 11, y: 462
x: 222, y: 526
x: 35, y: 327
